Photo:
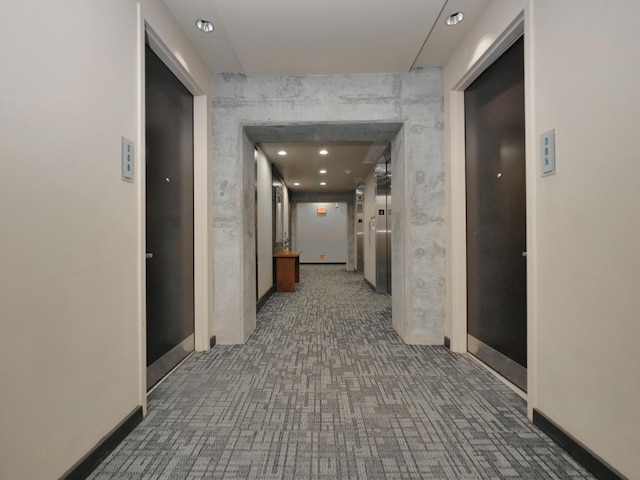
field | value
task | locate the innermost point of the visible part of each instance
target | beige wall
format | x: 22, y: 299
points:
x: 70, y: 331
x: 585, y: 67
x: 582, y: 64
x: 264, y: 232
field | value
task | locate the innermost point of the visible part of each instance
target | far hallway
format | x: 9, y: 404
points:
x: 325, y: 389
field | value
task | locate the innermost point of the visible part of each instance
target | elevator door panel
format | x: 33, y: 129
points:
x: 169, y: 218
x: 383, y: 227
x: 359, y: 237
x: 496, y: 209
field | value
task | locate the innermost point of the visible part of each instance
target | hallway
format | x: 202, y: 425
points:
x: 325, y: 389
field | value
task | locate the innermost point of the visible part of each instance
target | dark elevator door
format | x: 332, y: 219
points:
x: 496, y: 216
x: 169, y: 219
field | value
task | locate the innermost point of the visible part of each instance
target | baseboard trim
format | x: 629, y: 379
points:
x: 323, y: 263
x: 261, y: 303
x: 585, y: 457
x: 87, y: 464
x: 370, y: 285
x: 212, y: 341
x: 447, y: 342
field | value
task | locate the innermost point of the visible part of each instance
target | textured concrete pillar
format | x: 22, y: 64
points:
x: 403, y: 108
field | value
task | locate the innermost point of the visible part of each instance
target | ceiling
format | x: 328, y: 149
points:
x: 346, y: 164
x: 307, y: 37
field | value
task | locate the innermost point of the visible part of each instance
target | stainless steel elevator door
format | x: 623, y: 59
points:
x: 359, y: 237
x: 383, y: 227
x: 169, y: 219
x: 389, y: 228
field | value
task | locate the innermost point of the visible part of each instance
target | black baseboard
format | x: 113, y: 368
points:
x: 91, y: 460
x: 212, y: 341
x: 264, y: 298
x: 370, y: 285
x: 447, y: 342
x: 585, y: 457
x: 323, y: 263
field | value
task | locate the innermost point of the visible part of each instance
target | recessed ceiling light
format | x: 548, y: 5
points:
x: 282, y: 152
x: 323, y: 171
x: 454, y: 18
x: 323, y: 183
x: 323, y: 151
x: 297, y: 184
x: 204, y: 25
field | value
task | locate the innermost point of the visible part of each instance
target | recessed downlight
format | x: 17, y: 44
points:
x: 282, y: 152
x: 454, y: 18
x: 323, y: 184
x: 204, y: 25
x: 323, y: 171
x: 297, y: 184
x: 323, y: 151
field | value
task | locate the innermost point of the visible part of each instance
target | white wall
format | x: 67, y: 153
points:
x: 582, y: 64
x: 265, y: 223
x: 322, y: 234
x: 70, y: 263
x: 369, y: 242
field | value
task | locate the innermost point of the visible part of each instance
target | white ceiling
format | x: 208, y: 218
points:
x: 311, y: 37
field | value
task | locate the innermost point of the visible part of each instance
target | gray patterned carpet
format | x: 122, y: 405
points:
x: 325, y: 389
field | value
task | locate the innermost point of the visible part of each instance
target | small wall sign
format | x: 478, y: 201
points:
x: 322, y: 211
x: 548, y: 152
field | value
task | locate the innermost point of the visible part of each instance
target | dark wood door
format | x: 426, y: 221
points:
x: 496, y: 216
x: 169, y: 218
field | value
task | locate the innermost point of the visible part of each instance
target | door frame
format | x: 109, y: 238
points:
x: 202, y: 195
x: 457, y: 270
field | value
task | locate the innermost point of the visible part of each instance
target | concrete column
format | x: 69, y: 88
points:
x: 405, y: 108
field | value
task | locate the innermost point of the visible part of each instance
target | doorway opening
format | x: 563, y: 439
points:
x: 310, y: 208
x: 496, y: 216
x: 195, y: 89
x: 169, y: 187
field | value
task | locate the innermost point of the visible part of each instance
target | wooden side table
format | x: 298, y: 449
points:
x: 287, y: 266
